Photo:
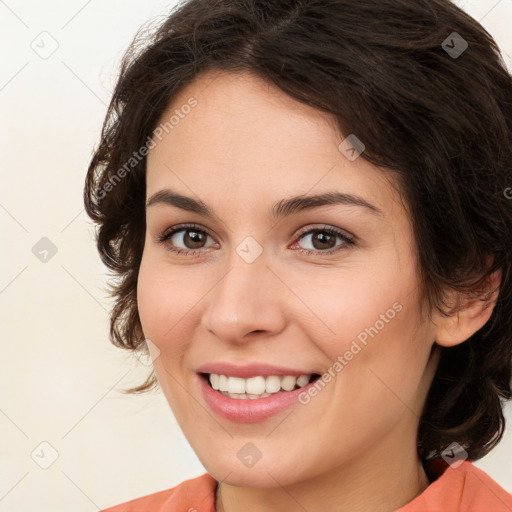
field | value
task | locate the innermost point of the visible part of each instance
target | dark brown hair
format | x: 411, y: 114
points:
x: 440, y: 121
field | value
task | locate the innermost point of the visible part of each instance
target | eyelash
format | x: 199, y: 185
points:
x: 348, y: 241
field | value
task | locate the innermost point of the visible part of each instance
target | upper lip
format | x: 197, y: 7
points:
x: 250, y: 370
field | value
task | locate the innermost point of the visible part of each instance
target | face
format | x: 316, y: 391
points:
x: 321, y: 288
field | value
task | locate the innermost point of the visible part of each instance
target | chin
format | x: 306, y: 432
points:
x: 265, y: 473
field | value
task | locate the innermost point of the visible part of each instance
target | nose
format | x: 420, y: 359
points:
x: 247, y: 301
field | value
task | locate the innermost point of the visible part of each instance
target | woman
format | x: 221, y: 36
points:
x: 306, y: 205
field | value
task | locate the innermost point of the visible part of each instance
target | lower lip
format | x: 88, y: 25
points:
x: 249, y: 410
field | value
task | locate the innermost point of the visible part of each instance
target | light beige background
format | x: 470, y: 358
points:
x: 59, y: 374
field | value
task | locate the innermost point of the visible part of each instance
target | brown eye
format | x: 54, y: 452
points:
x: 323, y: 240
x: 193, y: 239
x: 184, y: 239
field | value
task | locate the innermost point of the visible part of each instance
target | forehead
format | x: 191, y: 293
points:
x: 246, y: 138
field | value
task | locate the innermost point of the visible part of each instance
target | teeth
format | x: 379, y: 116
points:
x: 235, y: 385
x: 222, y: 382
x: 272, y: 384
x: 288, y: 382
x: 214, y: 380
x: 302, y: 380
x: 256, y: 387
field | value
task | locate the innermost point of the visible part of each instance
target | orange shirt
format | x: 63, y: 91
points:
x: 465, y: 489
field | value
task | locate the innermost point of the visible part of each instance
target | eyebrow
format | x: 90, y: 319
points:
x: 280, y: 209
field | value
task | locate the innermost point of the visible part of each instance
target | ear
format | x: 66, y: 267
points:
x: 471, y: 313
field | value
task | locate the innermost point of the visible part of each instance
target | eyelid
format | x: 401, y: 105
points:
x: 326, y: 227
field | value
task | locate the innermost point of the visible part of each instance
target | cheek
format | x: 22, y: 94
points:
x: 164, y: 304
x: 150, y: 299
x: 359, y: 304
x: 369, y: 331
x: 164, y: 311
x: 384, y: 359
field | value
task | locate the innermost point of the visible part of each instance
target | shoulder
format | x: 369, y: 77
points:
x: 462, y: 488
x: 194, y: 495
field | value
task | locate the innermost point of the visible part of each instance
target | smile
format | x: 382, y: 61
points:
x: 248, y: 394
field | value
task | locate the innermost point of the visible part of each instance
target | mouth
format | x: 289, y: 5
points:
x: 256, y: 387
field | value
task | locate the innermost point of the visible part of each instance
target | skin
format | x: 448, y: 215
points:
x: 243, y: 147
